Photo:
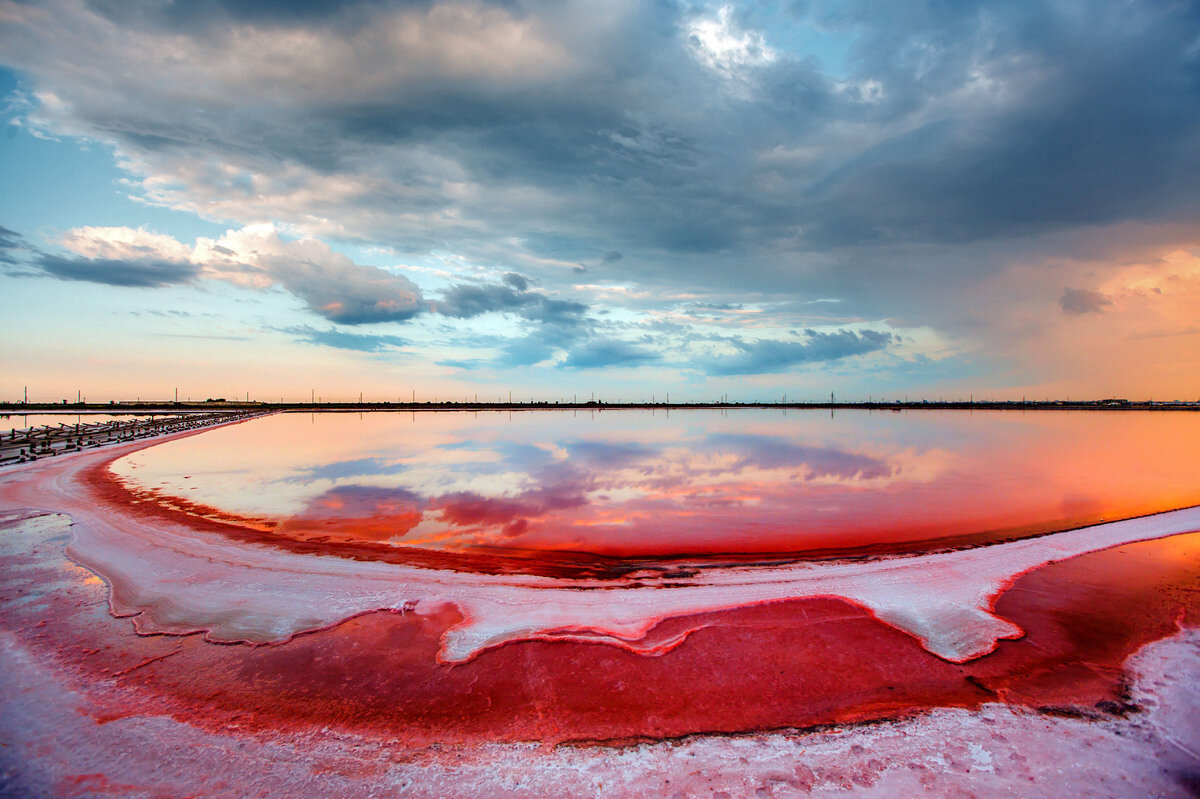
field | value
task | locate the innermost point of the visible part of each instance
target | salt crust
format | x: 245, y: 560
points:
x: 174, y: 579
x: 52, y: 746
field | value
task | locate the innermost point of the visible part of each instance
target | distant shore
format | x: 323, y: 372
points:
x: 140, y: 407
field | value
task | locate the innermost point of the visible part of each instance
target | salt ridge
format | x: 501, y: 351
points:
x: 173, y: 580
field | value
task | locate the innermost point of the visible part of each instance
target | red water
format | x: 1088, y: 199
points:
x: 788, y: 664
x: 791, y: 664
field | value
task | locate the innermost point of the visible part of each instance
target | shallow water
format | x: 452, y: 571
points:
x: 21, y: 421
x: 365, y: 630
x: 701, y: 483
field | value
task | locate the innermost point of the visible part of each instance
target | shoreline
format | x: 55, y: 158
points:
x: 19, y: 409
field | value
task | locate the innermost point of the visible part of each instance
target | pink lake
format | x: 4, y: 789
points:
x: 700, y: 484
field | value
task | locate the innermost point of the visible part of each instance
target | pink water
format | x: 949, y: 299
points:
x: 695, y: 484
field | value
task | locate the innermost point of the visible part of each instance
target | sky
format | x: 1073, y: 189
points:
x: 618, y: 199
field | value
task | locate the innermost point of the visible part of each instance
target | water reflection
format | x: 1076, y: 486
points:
x: 22, y: 421
x: 634, y: 484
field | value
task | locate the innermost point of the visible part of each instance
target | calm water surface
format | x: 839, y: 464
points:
x: 691, y: 483
x: 20, y: 421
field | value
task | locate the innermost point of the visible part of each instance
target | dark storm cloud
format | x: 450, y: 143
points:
x: 1082, y: 114
x: 770, y: 356
x: 990, y: 120
x: 1081, y: 301
x: 147, y: 273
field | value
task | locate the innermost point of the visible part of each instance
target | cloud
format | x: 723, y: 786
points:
x: 766, y: 356
x: 899, y: 157
x: 599, y: 354
x: 329, y: 283
x: 467, y: 300
x: 478, y: 122
x: 340, y: 339
x: 142, y: 273
x: 346, y: 292
x: 526, y: 351
x: 516, y: 280
x: 722, y: 47
x: 120, y: 256
x: 10, y: 239
x: 124, y: 243
x: 11, y: 243
x: 1081, y: 301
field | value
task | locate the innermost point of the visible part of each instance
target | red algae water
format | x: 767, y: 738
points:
x: 432, y: 579
x: 674, y: 485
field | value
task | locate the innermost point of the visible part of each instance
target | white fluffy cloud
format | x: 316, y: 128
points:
x: 124, y: 243
x: 330, y: 283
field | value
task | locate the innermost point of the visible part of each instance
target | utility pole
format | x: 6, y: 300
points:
x: 830, y: 397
